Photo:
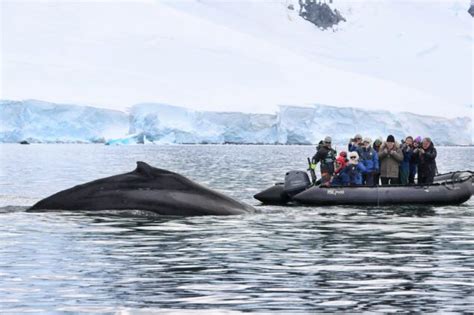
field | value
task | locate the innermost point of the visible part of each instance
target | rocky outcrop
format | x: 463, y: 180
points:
x: 320, y: 13
x: 471, y: 8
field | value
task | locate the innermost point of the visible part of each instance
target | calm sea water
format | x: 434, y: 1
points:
x: 284, y: 259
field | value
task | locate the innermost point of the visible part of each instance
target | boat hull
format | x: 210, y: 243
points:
x: 449, y: 188
x: 438, y: 194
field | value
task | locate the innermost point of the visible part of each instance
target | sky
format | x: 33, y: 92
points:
x: 248, y: 56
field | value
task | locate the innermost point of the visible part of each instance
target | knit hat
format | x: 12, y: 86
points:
x: 390, y: 138
x: 418, y: 139
x: 343, y: 154
x: 327, y: 139
x: 367, y: 139
x: 358, y: 136
x: 377, y: 142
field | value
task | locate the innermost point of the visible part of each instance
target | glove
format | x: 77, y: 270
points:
x: 312, y: 166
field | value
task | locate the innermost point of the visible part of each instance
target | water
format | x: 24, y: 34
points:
x: 284, y: 259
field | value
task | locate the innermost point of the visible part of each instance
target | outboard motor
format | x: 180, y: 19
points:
x: 296, y: 182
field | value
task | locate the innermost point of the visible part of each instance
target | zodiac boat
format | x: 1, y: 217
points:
x: 450, y: 188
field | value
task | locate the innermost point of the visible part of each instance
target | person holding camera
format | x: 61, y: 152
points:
x: 407, y: 150
x: 390, y: 157
x: 427, y: 168
x: 370, y: 159
x: 355, y: 143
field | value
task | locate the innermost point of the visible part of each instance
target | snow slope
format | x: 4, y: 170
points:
x: 245, y: 56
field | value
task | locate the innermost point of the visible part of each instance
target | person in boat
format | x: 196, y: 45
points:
x: 354, y: 169
x: 407, y: 150
x: 426, y: 162
x: 376, y: 147
x: 370, y: 159
x: 349, y: 174
x: 355, y: 143
x: 390, y: 157
x: 340, y: 178
x: 414, y: 160
x: 326, y: 156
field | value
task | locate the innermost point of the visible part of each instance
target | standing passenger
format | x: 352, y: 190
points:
x: 390, y: 156
x: 355, y: 143
x: 427, y: 162
x: 407, y: 150
x: 376, y: 146
x: 414, y: 160
x: 326, y: 155
x: 370, y: 159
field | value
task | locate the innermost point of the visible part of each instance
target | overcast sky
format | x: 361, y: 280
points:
x: 236, y: 56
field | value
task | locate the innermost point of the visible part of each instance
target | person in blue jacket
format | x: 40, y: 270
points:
x: 351, y: 175
x: 370, y: 159
x: 407, y: 150
x: 354, y: 143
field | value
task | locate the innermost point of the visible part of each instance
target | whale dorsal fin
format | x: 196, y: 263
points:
x: 144, y: 169
x: 149, y: 171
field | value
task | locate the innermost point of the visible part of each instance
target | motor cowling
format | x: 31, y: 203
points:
x: 296, y: 182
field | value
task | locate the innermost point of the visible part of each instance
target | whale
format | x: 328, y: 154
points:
x: 148, y: 189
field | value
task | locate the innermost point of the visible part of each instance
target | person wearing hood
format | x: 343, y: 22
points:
x: 354, y: 169
x: 407, y: 150
x: 370, y: 159
x: 340, y: 178
x: 326, y: 156
x: 390, y: 157
x: 426, y: 162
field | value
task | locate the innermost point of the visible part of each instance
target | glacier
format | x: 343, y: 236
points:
x: 154, y: 123
x: 38, y: 121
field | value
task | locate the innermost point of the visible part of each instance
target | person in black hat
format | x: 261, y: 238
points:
x: 390, y: 157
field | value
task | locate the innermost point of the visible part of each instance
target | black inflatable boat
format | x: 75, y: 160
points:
x: 449, y: 188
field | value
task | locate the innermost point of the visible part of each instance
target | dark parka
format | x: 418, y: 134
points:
x: 427, y: 165
x: 326, y: 156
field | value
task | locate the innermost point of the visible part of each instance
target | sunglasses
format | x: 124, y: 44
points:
x: 327, y: 142
x: 353, y: 158
x: 358, y: 138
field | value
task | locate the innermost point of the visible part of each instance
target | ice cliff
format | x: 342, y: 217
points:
x: 37, y: 121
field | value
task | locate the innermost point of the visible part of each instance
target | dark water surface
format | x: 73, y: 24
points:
x: 284, y: 259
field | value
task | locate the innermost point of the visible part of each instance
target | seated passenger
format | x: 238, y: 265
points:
x: 351, y: 175
x: 340, y: 179
x: 370, y: 159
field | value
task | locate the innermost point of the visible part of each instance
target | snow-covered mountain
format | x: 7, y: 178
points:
x: 166, y: 124
x: 37, y: 121
x: 245, y: 56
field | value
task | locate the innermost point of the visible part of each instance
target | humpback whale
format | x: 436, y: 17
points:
x: 146, y: 188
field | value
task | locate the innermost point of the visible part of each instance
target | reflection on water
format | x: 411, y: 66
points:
x: 293, y: 259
